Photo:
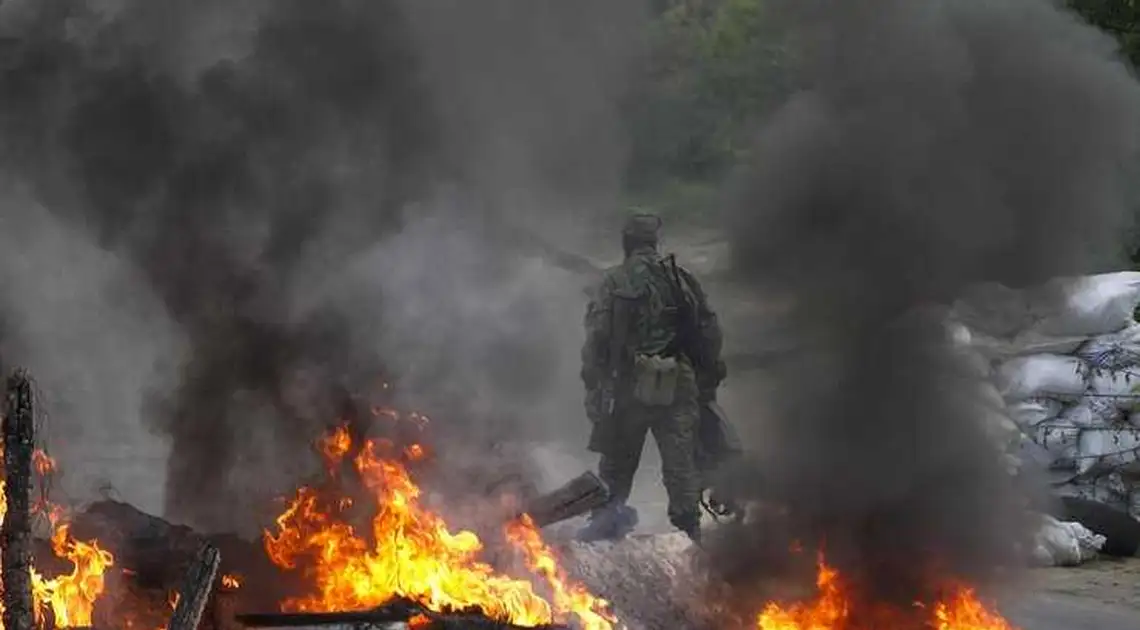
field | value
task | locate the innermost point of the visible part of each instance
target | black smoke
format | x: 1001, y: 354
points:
x: 218, y: 146
x: 936, y: 144
x: 322, y: 196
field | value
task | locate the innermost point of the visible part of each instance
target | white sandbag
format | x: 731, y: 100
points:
x: 1004, y: 434
x: 1088, y: 542
x: 1041, y: 555
x: 1043, y: 376
x: 1091, y: 412
x: 1061, y: 443
x: 1120, y: 387
x: 1065, y: 544
x: 1024, y: 344
x: 1028, y: 450
x: 1134, y: 502
x: 1094, y: 305
x: 1113, y: 351
x: 959, y: 334
x: 1055, y: 545
x: 992, y: 309
x: 1032, y: 412
x: 1110, y: 490
x: 1108, y: 449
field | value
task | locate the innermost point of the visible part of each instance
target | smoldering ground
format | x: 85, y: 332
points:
x: 935, y: 145
x: 310, y: 194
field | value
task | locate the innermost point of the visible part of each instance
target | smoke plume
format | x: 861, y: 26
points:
x: 311, y: 198
x: 936, y: 144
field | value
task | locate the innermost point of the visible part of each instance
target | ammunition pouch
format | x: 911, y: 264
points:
x: 655, y: 380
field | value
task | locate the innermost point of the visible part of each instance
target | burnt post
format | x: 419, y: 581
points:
x: 196, y: 589
x: 16, y: 533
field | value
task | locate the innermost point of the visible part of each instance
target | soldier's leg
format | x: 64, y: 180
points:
x: 674, y: 430
x: 621, y: 458
x: 618, y: 464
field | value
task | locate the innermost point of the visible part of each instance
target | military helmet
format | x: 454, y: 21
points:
x: 642, y: 226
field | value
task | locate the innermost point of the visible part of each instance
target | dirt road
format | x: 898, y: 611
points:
x: 1103, y: 595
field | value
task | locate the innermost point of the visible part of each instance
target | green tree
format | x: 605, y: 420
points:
x: 1120, y: 18
x: 715, y: 66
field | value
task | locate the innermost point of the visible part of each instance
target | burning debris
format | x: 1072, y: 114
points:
x: 361, y: 546
x: 409, y: 552
x: 837, y: 607
x: 68, y: 599
x: 394, y: 559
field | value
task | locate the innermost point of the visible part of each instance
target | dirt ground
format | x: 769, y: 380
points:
x: 1109, y: 581
x: 1101, y: 595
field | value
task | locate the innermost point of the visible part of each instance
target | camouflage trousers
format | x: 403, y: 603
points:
x: 674, y: 430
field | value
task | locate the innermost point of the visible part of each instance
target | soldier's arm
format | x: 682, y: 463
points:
x: 599, y: 313
x: 708, y: 326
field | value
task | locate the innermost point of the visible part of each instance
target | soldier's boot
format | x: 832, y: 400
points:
x: 612, y: 522
x: 690, y: 523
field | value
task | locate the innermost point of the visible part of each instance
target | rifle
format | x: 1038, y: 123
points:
x: 688, y: 330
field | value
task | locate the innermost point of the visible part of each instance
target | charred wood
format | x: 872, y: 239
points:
x: 400, y: 611
x: 196, y: 589
x: 158, y: 553
x: 16, y: 534
x: 576, y: 497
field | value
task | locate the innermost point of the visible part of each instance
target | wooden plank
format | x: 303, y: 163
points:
x: 196, y: 588
x: 574, y: 498
x: 16, y: 533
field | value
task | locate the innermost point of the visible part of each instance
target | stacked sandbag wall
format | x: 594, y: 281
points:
x: 1065, y: 360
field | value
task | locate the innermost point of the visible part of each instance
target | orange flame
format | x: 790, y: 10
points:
x: 231, y: 581
x: 832, y: 609
x: 336, y: 445
x: 963, y: 611
x: 592, y: 612
x: 413, y: 554
x: 42, y: 463
x: 828, y: 611
x: 70, y: 597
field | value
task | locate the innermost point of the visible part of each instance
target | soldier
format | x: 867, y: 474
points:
x: 652, y: 355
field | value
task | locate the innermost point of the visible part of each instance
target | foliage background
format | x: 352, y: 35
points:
x: 715, y: 69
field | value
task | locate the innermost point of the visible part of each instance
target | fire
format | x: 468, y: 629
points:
x: 411, y: 553
x: 231, y: 581
x: 70, y: 597
x: 828, y: 611
x: 567, y: 595
x: 963, y: 611
x: 42, y: 463
x: 336, y: 445
x: 833, y: 609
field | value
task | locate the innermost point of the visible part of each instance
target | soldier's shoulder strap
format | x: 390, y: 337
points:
x: 688, y: 281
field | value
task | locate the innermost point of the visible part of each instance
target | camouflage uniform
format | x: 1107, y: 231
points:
x: 647, y: 282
